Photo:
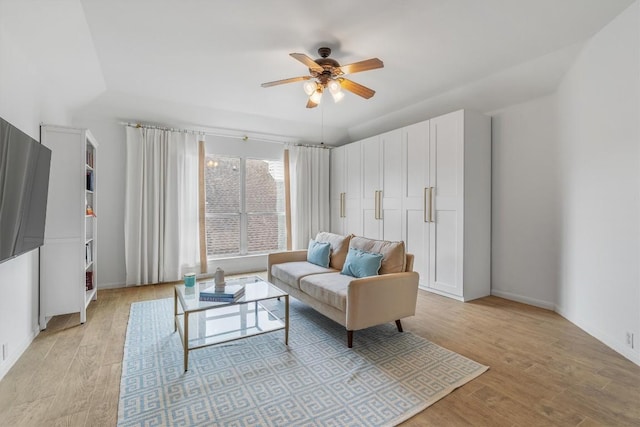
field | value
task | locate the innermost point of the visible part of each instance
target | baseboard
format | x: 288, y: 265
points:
x: 437, y: 292
x: 110, y: 285
x: 523, y: 299
x: 15, y: 354
x: 617, y: 345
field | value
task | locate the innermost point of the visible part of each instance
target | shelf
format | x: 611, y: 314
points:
x: 87, y: 266
x: 88, y: 167
x: 89, y: 239
x: 228, y: 323
x: 89, y: 296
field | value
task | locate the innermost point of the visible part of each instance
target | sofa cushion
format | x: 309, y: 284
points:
x: 318, y: 253
x: 330, y: 288
x: 339, y: 247
x: 291, y: 272
x: 361, y: 264
x: 393, y: 253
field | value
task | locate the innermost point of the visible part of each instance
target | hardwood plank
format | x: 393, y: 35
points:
x: 543, y: 369
x: 103, y: 410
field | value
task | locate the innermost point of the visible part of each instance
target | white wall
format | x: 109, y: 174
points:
x: 23, y: 103
x: 566, y: 192
x: 598, y: 110
x: 524, y: 263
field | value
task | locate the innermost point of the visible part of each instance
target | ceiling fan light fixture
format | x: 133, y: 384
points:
x: 309, y: 87
x: 316, y: 96
x: 337, y: 96
x: 334, y: 86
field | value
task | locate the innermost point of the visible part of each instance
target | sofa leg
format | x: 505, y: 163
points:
x: 350, y: 339
x: 399, y: 325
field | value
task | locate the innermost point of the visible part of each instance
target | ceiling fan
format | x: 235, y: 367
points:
x: 327, y: 73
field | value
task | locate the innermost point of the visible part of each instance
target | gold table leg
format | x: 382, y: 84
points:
x: 175, y: 309
x: 286, y: 320
x: 186, y: 341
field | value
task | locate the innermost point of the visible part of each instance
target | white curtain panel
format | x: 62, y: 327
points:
x: 161, y: 208
x: 309, y: 193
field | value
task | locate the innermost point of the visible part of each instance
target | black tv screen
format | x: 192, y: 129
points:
x: 24, y: 187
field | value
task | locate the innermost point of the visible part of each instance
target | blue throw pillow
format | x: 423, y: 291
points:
x: 361, y: 264
x: 318, y: 253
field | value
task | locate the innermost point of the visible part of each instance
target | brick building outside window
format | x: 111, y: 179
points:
x: 244, y: 206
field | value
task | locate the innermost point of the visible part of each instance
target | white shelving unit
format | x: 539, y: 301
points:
x: 68, y: 258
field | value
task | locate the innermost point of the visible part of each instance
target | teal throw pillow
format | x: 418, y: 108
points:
x: 318, y: 253
x: 361, y: 264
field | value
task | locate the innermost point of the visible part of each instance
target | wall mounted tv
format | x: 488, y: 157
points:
x: 24, y: 187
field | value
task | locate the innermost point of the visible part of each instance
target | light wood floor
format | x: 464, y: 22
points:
x: 544, y: 370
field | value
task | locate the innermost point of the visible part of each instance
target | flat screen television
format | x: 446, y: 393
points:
x: 24, y: 188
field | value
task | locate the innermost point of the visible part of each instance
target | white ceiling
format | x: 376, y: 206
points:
x: 200, y: 63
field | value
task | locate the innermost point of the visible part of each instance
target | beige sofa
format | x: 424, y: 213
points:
x: 355, y: 303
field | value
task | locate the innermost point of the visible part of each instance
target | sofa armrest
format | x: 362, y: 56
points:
x: 282, y: 257
x: 380, y: 299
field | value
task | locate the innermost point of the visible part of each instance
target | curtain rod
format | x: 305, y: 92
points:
x: 200, y: 132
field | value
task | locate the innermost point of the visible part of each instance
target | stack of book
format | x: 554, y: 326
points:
x: 89, y: 280
x: 230, y: 293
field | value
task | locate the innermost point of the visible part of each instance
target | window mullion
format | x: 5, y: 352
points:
x: 244, y: 246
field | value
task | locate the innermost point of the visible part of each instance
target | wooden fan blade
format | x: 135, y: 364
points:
x: 356, y: 88
x: 311, y: 104
x: 307, y: 61
x: 281, y: 82
x: 356, y: 67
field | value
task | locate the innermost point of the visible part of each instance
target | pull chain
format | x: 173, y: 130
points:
x: 322, y: 124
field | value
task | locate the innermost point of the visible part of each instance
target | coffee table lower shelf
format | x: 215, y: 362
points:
x: 216, y: 323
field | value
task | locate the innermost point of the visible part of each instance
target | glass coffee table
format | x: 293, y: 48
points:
x: 205, y: 323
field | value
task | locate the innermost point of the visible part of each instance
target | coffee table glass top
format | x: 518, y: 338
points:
x: 256, y: 289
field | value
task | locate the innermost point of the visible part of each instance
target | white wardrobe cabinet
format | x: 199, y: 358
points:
x: 429, y: 184
x: 417, y: 196
x: 460, y: 182
x: 345, y: 189
x: 382, y: 186
x: 68, y: 258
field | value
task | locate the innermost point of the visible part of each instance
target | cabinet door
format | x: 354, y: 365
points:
x: 446, y: 176
x: 337, y: 173
x: 336, y: 189
x: 416, y: 193
x: 337, y: 222
x: 353, y: 189
x: 391, y: 196
x: 371, y: 187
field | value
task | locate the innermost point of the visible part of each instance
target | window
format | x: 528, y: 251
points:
x: 244, y: 208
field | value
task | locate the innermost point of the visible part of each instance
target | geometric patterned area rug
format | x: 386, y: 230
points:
x: 386, y: 378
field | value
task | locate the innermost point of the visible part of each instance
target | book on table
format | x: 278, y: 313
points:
x: 220, y: 299
x: 230, y: 293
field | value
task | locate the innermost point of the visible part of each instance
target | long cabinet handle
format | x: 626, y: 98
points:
x: 431, y: 194
x: 378, y: 205
x: 424, y: 200
x: 342, y: 205
x: 375, y: 208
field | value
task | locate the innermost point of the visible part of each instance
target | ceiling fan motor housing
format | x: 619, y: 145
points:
x: 329, y: 66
